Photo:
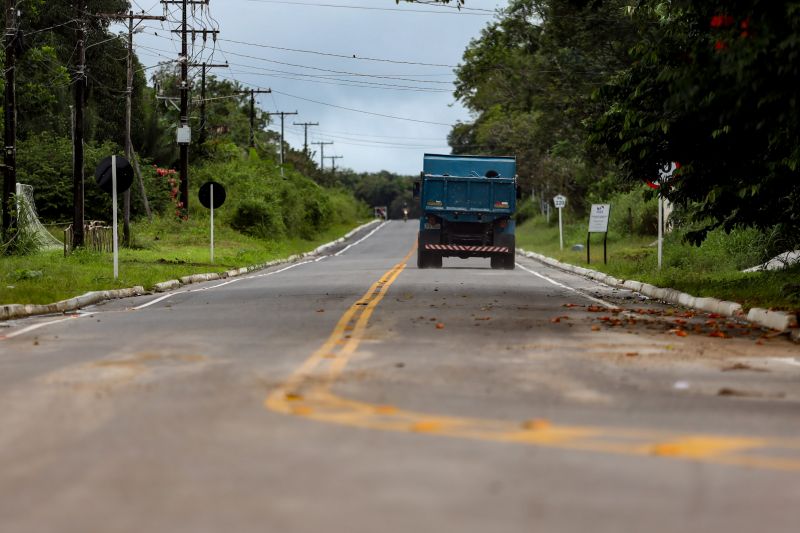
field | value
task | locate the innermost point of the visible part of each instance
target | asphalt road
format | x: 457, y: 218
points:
x: 357, y: 393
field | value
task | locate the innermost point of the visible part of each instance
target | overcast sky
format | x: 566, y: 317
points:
x: 403, y: 67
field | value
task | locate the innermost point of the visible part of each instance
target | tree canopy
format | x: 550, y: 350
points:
x: 596, y: 95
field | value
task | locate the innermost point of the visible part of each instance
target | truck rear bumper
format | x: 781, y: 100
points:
x: 458, y: 249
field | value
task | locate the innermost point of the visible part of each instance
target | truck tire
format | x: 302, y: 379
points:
x: 421, y: 259
x: 497, y: 261
x: 435, y: 260
x: 508, y: 261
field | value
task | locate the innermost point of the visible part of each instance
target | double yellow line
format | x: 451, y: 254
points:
x: 307, y: 393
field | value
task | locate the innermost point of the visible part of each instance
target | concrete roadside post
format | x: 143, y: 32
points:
x: 560, y: 201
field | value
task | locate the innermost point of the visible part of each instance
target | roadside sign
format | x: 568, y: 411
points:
x: 114, y: 175
x: 103, y: 173
x: 667, y: 170
x: 598, y: 218
x: 204, y: 195
x: 560, y: 201
x: 598, y: 223
x: 211, y: 195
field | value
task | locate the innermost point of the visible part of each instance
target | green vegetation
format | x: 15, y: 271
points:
x: 164, y: 249
x: 711, y: 269
x: 594, y: 97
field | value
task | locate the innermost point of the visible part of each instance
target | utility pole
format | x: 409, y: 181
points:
x: 333, y: 159
x: 184, y: 131
x: 322, y: 153
x: 10, y: 132
x: 205, y: 67
x: 283, y: 115
x: 126, y: 218
x: 253, y: 93
x: 305, y: 134
x: 77, y: 136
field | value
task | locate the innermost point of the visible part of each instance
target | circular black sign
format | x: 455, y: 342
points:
x: 124, y: 174
x: 205, y: 194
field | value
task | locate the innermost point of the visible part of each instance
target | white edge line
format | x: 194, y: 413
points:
x: 362, y: 239
x: 567, y: 287
x: 37, y: 326
x: 786, y: 360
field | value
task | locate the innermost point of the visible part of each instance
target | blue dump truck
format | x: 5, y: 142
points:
x: 467, y: 203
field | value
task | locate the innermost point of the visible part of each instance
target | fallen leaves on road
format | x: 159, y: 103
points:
x: 595, y: 328
x: 743, y: 366
x: 679, y: 332
x: 719, y: 334
x: 558, y: 319
x: 632, y: 354
x: 537, y: 424
x: 320, y: 310
x: 483, y: 318
x: 439, y: 325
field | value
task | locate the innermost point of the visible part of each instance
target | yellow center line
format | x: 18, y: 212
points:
x: 307, y: 393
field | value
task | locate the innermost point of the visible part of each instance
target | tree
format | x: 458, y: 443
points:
x: 529, y: 80
x: 715, y: 90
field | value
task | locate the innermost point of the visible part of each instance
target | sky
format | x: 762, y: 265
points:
x: 376, y: 76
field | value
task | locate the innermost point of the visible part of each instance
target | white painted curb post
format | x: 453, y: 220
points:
x: 114, y: 214
x: 212, y: 222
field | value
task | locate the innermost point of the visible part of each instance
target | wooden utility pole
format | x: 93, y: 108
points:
x: 253, y: 93
x: 77, y: 135
x: 322, y: 153
x: 305, y: 133
x: 333, y: 159
x: 183, y: 138
x: 283, y: 115
x: 10, y: 132
x: 126, y: 218
x: 205, y: 67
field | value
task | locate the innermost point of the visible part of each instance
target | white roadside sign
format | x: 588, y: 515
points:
x: 560, y: 201
x: 598, y: 218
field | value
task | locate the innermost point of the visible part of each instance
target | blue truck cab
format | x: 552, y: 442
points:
x: 467, y: 203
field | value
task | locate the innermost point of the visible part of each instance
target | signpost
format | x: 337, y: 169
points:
x: 598, y: 223
x: 560, y: 202
x: 114, y: 175
x: 664, y: 173
x: 212, y: 195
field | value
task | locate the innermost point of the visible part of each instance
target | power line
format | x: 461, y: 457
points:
x: 395, y: 117
x: 461, y: 11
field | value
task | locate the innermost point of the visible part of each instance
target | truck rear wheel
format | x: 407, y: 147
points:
x: 508, y: 261
x: 497, y: 261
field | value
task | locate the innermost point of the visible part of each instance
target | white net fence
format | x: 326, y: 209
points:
x: 31, y: 230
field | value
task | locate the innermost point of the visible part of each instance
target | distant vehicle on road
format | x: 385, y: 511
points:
x: 467, y: 202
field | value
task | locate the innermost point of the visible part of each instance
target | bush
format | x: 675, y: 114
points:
x: 256, y: 217
x: 526, y: 210
x: 633, y: 214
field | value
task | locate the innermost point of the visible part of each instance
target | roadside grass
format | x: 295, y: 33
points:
x: 160, y: 251
x: 713, y: 269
